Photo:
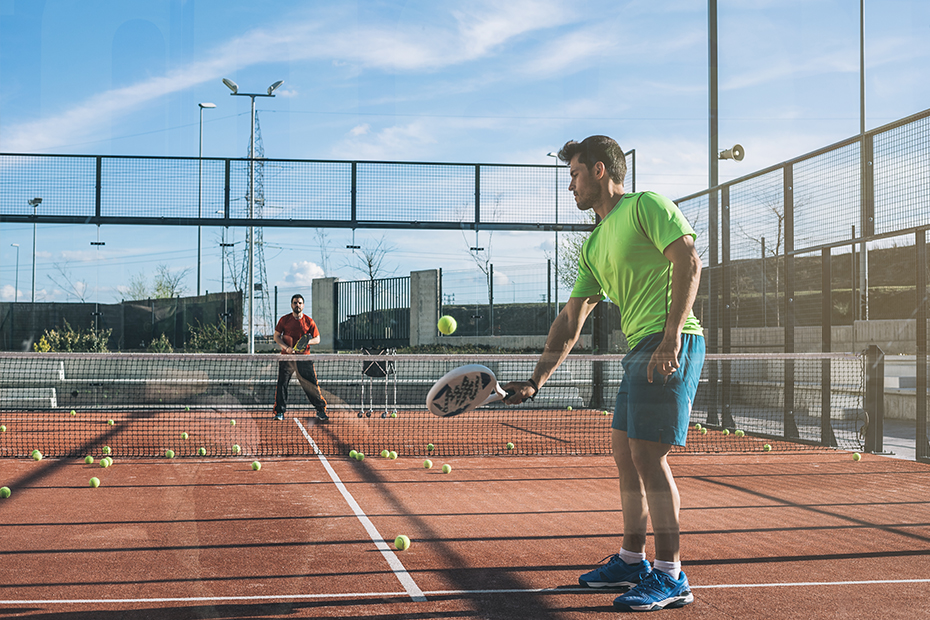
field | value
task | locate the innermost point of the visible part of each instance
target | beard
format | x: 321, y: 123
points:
x: 588, y: 199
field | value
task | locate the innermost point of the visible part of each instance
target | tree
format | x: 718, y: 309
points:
x: 369, y: 259
x: 65, y: 281
x: 166, y: 284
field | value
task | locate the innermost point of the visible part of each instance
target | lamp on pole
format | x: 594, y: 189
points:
x: 251, y: 281
x: 16, y: 286
x: 556, y: 156
x: 200, y: 193
x: 34, y: 203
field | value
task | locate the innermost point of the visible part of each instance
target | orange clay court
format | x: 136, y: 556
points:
x: 794, y: 532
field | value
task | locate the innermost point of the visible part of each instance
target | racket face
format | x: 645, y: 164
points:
x: 302, y: 343
x: 462, y: 389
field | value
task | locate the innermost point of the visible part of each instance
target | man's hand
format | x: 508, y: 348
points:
x: 664, y: 358
x: 522, y: 390
x: 286, y: 350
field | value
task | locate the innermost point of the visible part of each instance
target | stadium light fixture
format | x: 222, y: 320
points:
x: 231, y: 85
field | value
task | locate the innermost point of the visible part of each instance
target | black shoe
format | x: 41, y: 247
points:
x: 321, y: 415
x: 279, y: 417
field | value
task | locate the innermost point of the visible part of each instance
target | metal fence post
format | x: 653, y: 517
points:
x: 874, y: 398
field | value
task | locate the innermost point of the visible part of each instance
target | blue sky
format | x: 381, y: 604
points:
x: 474, y: 81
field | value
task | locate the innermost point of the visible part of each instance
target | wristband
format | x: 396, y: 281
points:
x: 535, y: 387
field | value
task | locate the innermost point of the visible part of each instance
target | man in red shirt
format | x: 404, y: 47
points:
x: 290, y: 328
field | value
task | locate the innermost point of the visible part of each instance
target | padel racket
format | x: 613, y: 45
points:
x: 464, y: 389
x: 302, y: 344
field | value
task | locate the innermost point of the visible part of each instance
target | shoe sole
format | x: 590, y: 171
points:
x: 608, y: 584
x: 670, y: 603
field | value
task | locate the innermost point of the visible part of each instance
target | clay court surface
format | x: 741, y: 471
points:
x: 806, y: 534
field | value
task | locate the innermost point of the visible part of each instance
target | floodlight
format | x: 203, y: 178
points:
x: 231, y: 85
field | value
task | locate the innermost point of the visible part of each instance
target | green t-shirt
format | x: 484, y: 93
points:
x: 623, y: 260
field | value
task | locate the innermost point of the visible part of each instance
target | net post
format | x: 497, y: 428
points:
x: 827, y: 437
x: 923, y: 446
x: 874, y: 398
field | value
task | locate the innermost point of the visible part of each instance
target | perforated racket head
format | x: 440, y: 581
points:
x: 463, y: 389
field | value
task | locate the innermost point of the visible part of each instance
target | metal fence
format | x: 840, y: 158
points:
x: 372, y: 314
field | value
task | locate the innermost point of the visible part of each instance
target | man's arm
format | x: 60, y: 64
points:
x: 279, y: 341
x: 563, y: 334
x: 686, y: 277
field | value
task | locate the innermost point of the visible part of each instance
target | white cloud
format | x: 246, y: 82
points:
x: 360, y: 130
x: 302, y: 274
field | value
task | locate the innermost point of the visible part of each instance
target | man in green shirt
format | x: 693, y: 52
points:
x: 641, y: 256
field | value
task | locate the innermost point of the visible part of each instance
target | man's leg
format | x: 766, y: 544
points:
x: 650, y: 460
x: 306, y: 376
x: 285, y: 370
x: 632, y: 494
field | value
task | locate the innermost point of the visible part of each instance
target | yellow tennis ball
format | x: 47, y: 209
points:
x: 37, y: 455
x: 108, y: 460
x: 393, y: 414
x: 236, y: 449
x: 697, y: 427
x: 509, y: 445
x: 430, y: 447
x: 446, y: 468
x: 202, y: 451
x: 89, y: 459
x: 104, y: 463
x: 739, y: 432
x: 569, y: 408
x: 232, y: 422
x: 352, y: 454
x: 106, y: 450
x: 95, y: 482
x: 402, y: 542
x: 5, y: 492
x: 169, y: 454
x: 856, y: 456
x: 427, y: 464
x: 385, y: 454
x: 2, y: 429
x: 111, y: 422
x: 73, y: 412
x: 703, y: 431
x: 392, y: 455
x: 726, y: 431
x: 360, y: 456
x: 184, y: 435
x: 446, y: 325
x: 766, y: 447
x: 256, y: 465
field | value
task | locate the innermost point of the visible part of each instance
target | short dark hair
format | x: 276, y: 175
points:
x: 297, y: 296
x: 594, y: 149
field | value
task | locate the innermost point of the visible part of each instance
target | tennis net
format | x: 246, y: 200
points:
x: 140, y: 405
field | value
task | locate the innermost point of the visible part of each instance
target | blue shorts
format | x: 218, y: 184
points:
x: 658, y: 411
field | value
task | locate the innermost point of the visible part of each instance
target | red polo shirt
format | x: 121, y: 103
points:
x: 292, y: 329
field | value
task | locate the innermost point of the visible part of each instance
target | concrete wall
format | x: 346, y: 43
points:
x: 324, y: 311
x: 895, y: 337
x: 424, y: 307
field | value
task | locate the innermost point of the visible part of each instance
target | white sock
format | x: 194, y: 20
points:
x: 631, y: 557
x: 672, y: 568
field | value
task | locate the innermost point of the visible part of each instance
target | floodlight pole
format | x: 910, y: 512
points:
x: 251, y: 236
x: 556, y: 156
x: 34, y: 203
x: 712, y: 154
x: 200, y: 195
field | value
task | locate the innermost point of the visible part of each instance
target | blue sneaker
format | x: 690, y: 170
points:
x: 615, y: 573
x: 279, y: 416
x: 656, y: 591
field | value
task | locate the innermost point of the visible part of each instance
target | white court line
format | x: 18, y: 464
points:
x: 393, y: 561
x: 462, y: 593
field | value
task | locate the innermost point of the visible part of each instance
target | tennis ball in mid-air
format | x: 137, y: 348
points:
x: 236, y: 448
x: 169, y: 454
x: 856, y: 456
x: 430, y: 447
x: 37, y: 455
x: 446, y: 468
x: 739, y: 432
x: 726, y: 431
x: 510, y: 445
x: 89, y: 459
x: 392, y: 455
x: 256, y: 465
x: 202, y: 451
x: 5, y: 492
x: 427, y: 464
x: 446, y: 324
x: 402, y: 542
x: 766, y: 448
x: 184, y: 435
x: 94, y: 482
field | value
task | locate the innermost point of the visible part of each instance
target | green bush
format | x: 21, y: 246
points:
x: 214, y: 338
x: 69, y: 339
x: 160, y: 345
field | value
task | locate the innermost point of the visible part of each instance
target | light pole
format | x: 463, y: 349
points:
x: 16, y: 286
x: 251, y: 283
x: 200, y: 193
x: 556, y: 156
x: 34, y: 203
